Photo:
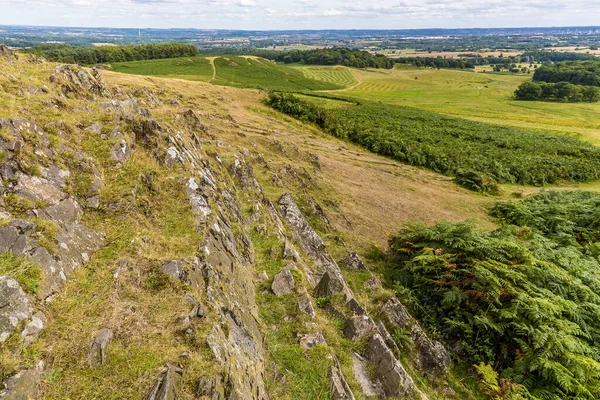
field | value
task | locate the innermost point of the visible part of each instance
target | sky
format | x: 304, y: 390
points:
x: 301, y: 14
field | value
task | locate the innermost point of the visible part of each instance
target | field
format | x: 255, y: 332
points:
x: 242, y: 72
x: 341, y: 76
x: 484, y: 97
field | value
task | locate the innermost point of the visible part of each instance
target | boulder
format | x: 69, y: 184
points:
x: 78, y: 81
x: 283, y: 282
x: 305, y: 305
x: 353, y: 261
x: 395, y: 380
x: 38, y: 189
x: 99, y: 348
x: 24, y: 385
x: 359, y: 327
x: 289, y: 253
x: 354, y: 306
x: 14, y: 306
x: 166, y: 386
x: 67, y: 211
x: 330, y: 284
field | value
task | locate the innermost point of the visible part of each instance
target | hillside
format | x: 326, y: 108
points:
x: 157, y: 242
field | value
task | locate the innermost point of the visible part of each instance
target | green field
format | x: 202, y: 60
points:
x: 190, y: 68
x: 242, y: 72
x: 341, y: 76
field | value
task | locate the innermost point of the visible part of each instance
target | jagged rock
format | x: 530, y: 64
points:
x: 79, y: 81
x: 353, y: 261
x: 123, y: 107
x: 166, y: 386
x: 354, y: 306
x: 310, y: 242
x: 305, y: 305
x: 263, y: 276
x: 339, y: 388
x: 14, y: 306
x: 173, y: 157
x: 333, y: 311
x: 395, y: 380
x: 58, y: 177
x: 210, y: 389
x: 66, y: 211
x: 99, y: 348
x: 7, y: 53
x: 358, y: 327
x: 24, y: 385
x: 330, y: 284
x: 120, y: 151
x: 198, y: 311
x: 431, y: 357
x: 33, y: 328
x: 174, y: 269
x: 197, y: 200
x: 11, y: 240
x: 289, y: 253
x: 283, y: 282
x: 369, y: 387
x: 94, y: 129
x: 311, y: 340
x: 38, y: 189
x: 93, y: 202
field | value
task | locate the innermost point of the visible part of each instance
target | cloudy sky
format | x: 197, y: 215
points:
x: 300, y: 14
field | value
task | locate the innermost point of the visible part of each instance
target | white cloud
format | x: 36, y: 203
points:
x: 301, y: 14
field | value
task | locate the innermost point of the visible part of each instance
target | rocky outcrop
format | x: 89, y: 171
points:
x: 360, y: 368
x: 393, y: 377
x: 166, y: 386
x: 431, y: 357
x: 339, y: 388
x: 311, y: 340
x: 359, y: 327
x: 98, y: 352
x: 353, y: 261
x: 309, y: 240
x: 283, y: 282
x: 24, y: 385
x: 7, y: 53
x: 33, y: 329
x: 76, y: 81
x: 15, y: 306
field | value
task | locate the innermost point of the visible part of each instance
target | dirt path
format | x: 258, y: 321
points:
x: 214, y: 68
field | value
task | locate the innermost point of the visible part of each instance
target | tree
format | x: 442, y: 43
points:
x: 590, y: 94
x: 529, y: 91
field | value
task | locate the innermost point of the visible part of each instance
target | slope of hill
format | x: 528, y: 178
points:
x: 157, y: 242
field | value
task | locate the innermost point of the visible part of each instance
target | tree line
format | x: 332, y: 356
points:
x: 561, y: 91
x: 575, y: 72
x: 329, y: 56
x: 108, y: 54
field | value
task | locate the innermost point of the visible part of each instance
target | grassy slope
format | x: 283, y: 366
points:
x: 477, y: 96
x: 243, y: 72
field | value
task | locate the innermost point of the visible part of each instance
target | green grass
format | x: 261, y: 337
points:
x: 190, y: 68
x: 21, y: 269
x: 337, y: 75
x: 263, y: 74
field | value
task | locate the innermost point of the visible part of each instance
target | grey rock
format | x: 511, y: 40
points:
x: 77, y: 81
x: 305, y: 305
x: 395, y: 380
x: 431, y: 357
x: 14, y: 306
x: 24, y: 385
x: 94, y: 129
x: 58, y: 177
x: 166, y: 386
x: 33, y: 328
x: 339, y: 388
x: 210, y: 389
x: 283, y: 283
x: 38, y: 189
x: 359, y: 327
x: 330, y: 284
x: 263, y: 276
x: 67, y: 211
x: 369, y: 387
x: 311, y: 340
x: 353, y: 261
x: 308, y: 239
x: 354, y: 306
x: 174, y: 269
x: 198, y: 311
x: 120, y: 151
x: 173, y: 157
x: 7, y: 53
x: 373, y: 284
x: 289, y: 253
x: 93, y: 202
x: 98, y: 352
